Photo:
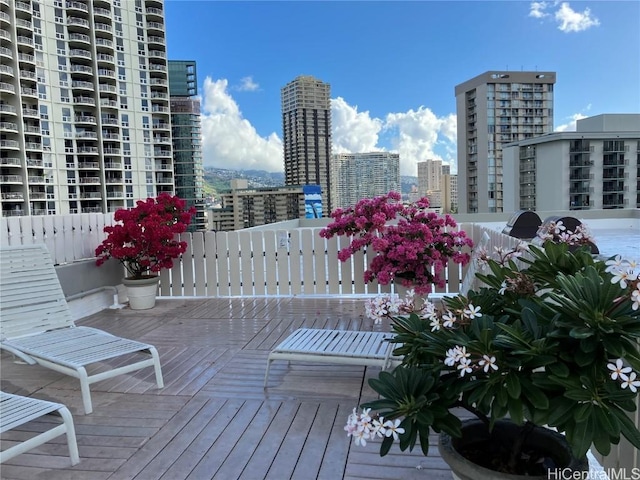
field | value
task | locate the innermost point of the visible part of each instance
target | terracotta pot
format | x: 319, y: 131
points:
x: 141, y: 292
x: 549, y: 442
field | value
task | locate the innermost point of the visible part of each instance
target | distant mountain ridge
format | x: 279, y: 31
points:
x: 218, y: 179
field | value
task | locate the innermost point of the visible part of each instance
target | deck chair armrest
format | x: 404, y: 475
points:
x: 23, y: 356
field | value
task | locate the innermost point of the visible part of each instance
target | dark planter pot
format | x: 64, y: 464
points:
x: 474, y: 432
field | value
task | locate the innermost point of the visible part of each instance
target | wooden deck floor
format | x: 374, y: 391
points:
x: 213, y: 419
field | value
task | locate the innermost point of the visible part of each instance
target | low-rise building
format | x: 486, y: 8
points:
x: 244, y: 207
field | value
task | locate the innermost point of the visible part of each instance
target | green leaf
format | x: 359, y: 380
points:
x: 513, y: 385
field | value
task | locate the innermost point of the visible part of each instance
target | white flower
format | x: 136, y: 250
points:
x: 472, y: 312
x: 451, y: 358
x: 435, y: 324
x: 635, y: 298
x: 464, y: 366
x: 618, y: 370
x: 393, y: 428
x: 449, y: 319
x: 503, y: 287
x: 631, y: 382
x: 488, y: 362
x: 616, y: 263
x: 621, y: 277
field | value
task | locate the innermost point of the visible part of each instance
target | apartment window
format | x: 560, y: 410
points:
x: 120, y: 44
x: 123, y: 88
x: 67, y: 134
x: 139, y: 20
x: 40, y: 75
x: 128, y: 176
x: 123, y: 102
x: 125, y: 120
x: 62, y: 63
x: 44, y: 112
x: 126, y: 149
x: 39, y: 59
x: 120, y: 59
x: 66, y: 115
x: 143, y: 77
x: 58, y: 14
x: 64, y: 79
x: 64, y: 95
x: 145, y: 122
x: 44, y: 128
x: 119, y: 29
x: 127, y: 163
x: 125, y: 134
x: 37, y: 25
x: 122, y: 73
x: 60, y: 32
x: 141, y: 50
x: 37, y: 40
x: 145, y: 107
x: 143, y: 91
x: 129, y: 191
x: 61, y: 47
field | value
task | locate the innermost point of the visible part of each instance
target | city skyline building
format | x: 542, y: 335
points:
x: 306, y: 135
x: 493, y: 109
x: 595, y: 167
x: 244, y: 207
x: 355, y: 176
x: 430, y: 182
x: 82, y: 89
x: 187, y: 137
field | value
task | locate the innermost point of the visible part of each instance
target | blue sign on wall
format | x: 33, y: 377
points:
x: 312, y: 201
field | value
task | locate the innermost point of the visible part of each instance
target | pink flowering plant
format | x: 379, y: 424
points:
x: 412, y: 245
x: 549, y: 338
x: 145, y: 240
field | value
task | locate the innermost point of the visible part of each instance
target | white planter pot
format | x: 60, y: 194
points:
x: 141, y: 292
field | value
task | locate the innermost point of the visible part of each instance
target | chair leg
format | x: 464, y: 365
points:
x: 71, y: 435
x: 86, y: 392
x: 157, y: 367
x: 266, y: 375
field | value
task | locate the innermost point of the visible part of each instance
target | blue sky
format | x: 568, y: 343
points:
x: 393, y: 67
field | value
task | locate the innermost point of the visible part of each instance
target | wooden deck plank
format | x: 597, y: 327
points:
x: 213, y: 419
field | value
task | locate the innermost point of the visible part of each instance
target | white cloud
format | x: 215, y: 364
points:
x: 571, y: 125
x: 352, y: 131
x: 567, y: 19
x: 417, y: 134
x: 571, y: 21
x: 537, y: 10
x: 247, y: 85
x: 229, y: 140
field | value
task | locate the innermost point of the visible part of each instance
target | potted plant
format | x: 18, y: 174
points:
x: 548, y: 340
x: 412, y: 244
x: 145, y: 242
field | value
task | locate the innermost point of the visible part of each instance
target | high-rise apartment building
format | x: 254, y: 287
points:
x: 494, y: 109
x: 306, y: 135
x: 355, y: 176
x: 595, y: 167
x: 84, y: 105
x: 187, y: 138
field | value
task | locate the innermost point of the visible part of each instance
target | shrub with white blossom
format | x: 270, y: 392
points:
x: 549, y: 338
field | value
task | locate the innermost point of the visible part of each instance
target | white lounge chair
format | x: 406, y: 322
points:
x: 16, y: 410
x: 346, y: 347
x: 36, y: 325
x: 351, y: 347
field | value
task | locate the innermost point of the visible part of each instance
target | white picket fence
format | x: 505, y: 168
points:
x: 295, y: 261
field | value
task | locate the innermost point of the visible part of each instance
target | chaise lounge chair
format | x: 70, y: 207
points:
x: 36, y: 325
x: 349, y: 347
x: 346, y: 347
x: 16, y: 410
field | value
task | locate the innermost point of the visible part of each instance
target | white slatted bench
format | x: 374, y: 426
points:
x: 346, y: 347
x: 16, y: 410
